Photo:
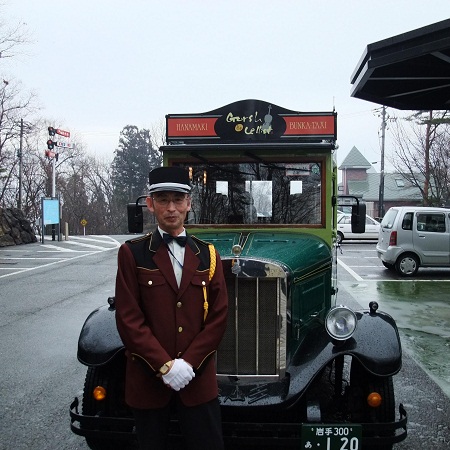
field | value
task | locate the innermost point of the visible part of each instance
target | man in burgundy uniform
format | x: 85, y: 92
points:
x: 171, y: 310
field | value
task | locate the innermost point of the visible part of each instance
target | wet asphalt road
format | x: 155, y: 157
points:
x: 421, y: 309
x: 420, y: 305
x: 46, y: 293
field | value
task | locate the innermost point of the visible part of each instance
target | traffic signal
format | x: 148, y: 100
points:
x: 51, y: 131
x: 50, y: 144
x: 51, y: 154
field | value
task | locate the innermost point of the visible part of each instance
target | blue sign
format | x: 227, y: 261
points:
x: 50, y: 211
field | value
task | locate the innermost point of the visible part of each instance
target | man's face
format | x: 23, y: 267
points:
x: 170, y: 209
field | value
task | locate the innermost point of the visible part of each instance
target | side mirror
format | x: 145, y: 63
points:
x: 359, y: 218
x: 135, y: 218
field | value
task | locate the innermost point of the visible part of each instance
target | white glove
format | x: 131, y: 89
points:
x: 179, y: 375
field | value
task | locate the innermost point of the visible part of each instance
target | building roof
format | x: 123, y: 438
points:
x: 396, y: 188
x: 355, y: 160
x: 410, y: 71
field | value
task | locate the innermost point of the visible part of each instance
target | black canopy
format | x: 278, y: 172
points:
x: 410, y: 71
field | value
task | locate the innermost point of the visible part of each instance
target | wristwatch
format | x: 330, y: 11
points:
x: 165, y: 367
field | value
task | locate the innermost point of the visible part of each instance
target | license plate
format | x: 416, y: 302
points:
x: 331, y: 437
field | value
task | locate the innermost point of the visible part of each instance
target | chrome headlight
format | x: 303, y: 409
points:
x: 340, y: 323
x: 236, y: 250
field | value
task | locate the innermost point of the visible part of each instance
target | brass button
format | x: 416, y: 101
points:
x: 150, y: 282
x: 180, y: 329
x: 179, y: 304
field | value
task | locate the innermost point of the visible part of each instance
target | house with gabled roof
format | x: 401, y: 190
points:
x: 360, y: 179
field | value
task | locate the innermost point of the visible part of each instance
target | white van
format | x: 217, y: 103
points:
x: 412, y: 237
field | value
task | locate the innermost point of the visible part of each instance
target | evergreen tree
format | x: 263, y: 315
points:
x: 133, y: 160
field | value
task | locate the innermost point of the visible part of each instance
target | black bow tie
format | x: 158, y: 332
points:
x: 180, y: 239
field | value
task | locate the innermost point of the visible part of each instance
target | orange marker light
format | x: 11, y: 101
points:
x: 99, y: 393
x: 374, y: 399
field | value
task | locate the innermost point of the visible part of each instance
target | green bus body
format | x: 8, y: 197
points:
x: 264, y: 193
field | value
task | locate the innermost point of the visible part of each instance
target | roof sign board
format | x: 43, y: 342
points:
x: 250, y: 120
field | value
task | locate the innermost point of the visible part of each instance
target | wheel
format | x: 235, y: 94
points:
x: 388, y: 265
x: 339, y: 237
x: 407, y: 265
x: 112, y: 379
x: 362, y: 384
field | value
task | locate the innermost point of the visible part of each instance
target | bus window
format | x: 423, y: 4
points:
x: 256, y: 193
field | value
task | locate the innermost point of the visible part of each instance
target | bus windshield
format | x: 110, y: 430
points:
x: 256, y: 193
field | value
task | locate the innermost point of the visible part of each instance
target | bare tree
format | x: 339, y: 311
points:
x: 421, y: 153
x: 158, y: 134
x: 97, y: 183
x: 12, y: 38
x: 16, y: 106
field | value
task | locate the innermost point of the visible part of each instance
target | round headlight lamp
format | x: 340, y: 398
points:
x: 340, y: 323
x: 236, y: 250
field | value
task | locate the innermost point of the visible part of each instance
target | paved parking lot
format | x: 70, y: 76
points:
x: 420, y: 305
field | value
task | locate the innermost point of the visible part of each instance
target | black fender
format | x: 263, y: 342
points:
x: 99, y: 340
x: 375, y: 343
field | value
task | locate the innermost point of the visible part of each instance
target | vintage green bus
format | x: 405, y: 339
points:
x: 296, y: 367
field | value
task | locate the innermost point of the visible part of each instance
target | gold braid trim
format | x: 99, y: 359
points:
x: 212, y: 269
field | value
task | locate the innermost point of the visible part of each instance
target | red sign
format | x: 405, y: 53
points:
x: 307, y: 125
x: 191, y: 126
x: 62, y: 133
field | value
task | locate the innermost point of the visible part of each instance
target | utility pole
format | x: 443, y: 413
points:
x: 381, y: 191
x: 426, y: 183
x: 19, y: 203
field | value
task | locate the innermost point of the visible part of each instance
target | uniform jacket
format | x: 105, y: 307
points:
x: 158, y: 321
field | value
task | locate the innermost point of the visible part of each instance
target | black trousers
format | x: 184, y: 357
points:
x: 201, y: 426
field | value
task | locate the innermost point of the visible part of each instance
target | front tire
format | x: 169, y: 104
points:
x: 339, y: 237
x: 407, y: 265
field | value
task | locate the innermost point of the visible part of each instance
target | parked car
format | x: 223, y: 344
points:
x: 344, y: 228
x: 411, y: 237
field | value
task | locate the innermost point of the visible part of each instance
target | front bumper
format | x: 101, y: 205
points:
x: 282, y: 434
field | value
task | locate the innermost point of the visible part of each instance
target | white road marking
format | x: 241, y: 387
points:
x: 54, y: 248
x: 350, y: 271
x: 51, y: 248
x: 82, y: 244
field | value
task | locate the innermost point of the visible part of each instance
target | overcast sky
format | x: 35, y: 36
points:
x: 99, y: 65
